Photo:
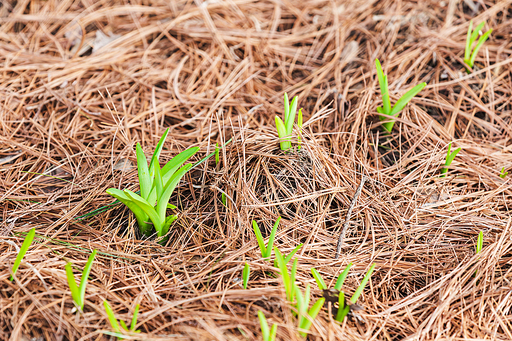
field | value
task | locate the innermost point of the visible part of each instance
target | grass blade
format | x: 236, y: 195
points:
x: 169, y: 187
x: 341, y: 307
x: 481, y: 41
x: 143, y: 171
x: 319, y: 280
x: 245, y: 275
x: 480, y: 242
x: 111, y: 317
x: 291, y: 116
x: 134, y: 318
x: 270, y: 245
x: 23, y: 250
x: 313, y: 313
x: 467, y: 51
x: 286, y: 107
x: 156, y: 154
x: 75, y: 293
x: 383, y: 83
x: 289, y: 257
x: 259, y: 238
x: 85, y: 276
x: 172, y: 166
x: 402, y: 102
x: 361, y: 286
x: 265, y: 332
x: 341, y: 277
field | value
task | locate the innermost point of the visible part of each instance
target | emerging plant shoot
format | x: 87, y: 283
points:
x: 285, y: 129
x: 469, y: 57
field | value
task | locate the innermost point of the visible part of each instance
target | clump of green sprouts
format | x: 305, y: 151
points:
x: 470, y: 55
x: 156, y: 187
x: 387, y: 112
x: 450, y: 156
x: 268, y: 334
x: 503, y: 174
x: 115, y: 325
x: 285, y: 129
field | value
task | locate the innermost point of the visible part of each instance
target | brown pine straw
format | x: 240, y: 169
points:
x: 70, y: 117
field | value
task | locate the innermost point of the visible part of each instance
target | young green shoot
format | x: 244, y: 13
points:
x: 217, y: 155
x: 305, y: 316
x: 480, y: 242
x: 450, y: 156
x: 285, y: 129
x: 267, y: 334
x: 469, y: 57
x: 223, y: 199
x: 115, y: 325
x: 344, y: 308
x: 245, y: 275
x: 387, y: 112
x: 78, y: 292
x: 503, y: 174
x: 288, y: 258
x: 288, y: 278
x: 266, y: 251
x: 23, y: 250
x: 319, y: 280
x: 156, y: 187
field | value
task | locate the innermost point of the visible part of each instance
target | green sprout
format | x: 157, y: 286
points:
x: 469, y: 57
x: 388, y: 113
x: 115, y: 325
x: 78, y: 293
x: 223, y: 199
x: 305, y: 316
x: 217, y: 156
x: 503, y: 174
x: 288, y: 278
x: 450, y: 156
x: 344, y: 307
x: 266, y: 251
x: 156, y: 187
x: 480, y: 242
x: 245, y: 275
x: 268, y: 334
x: 23, y: 250
x: 285, y: 129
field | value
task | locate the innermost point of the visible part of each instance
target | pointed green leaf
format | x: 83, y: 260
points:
x: 341, y: 277
x: 480, y: 242
x: 23, y: 250
x: 245, y: 275
x: 125, y: 327
x: 156, y: 154
x: 145, y: 181
x: 140, y: 215
x: 361, y: 286
x: 85, y: 276
x: 172, y: 166
x: 270, y: 245
x: 159, y: 185
x: 289, y: 257
x: 481, y: 41
x: 402, y: 102
x: 147, y: 208
x: 291, y: 116
x: 169, y: 187
x: 383, y: 83
x: 467, y: 51
x: 134, y: 318
x: 273, y: 333
x: 319, y: 280
x: 286, y: 107
x: 75, y: 293
x: 341, y: 307
x: 111, y: 317
x: 265, y: 332
x: 259, y: 238
x: 313, y: 312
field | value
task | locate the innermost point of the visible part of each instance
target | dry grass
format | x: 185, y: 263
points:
x: 213, y: 70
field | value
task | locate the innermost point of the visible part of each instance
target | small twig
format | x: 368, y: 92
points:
x: 347, y: 218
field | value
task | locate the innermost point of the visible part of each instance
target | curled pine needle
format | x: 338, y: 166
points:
x: 23, y: 250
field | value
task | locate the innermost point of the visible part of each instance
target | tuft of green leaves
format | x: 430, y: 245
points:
x: 266, y: 251
x: 267, y: 334
x: 503, y: 174
x: 245, y: 275
x: 78, y: 292
x: 469, y: 57
x: 23, y: 250
x: 388, y: 114
x: 156, y: 187
x: 115, y: 325
x: 285, y: 129
x: 450, y: 156
x: 305, y: 316
x: 288, y: 277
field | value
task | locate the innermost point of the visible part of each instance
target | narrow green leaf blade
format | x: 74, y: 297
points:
x: 361, y: 286
x: 169, y: 187
x: 270, y: 245
x: 111, y: 317
x: 245, y: 275
x: 402, y: 102
x: 383, y: 83
x: 85, y: 275
x: 467, y: 51
x: 23, y: 250
x: 291, y: 116
x: 313, y: 313
x: 147, y: 208
x: 175, y: 163
x: 286, y: 107
x: 480, y: 242
x: 75, y: 293
x: 289, y: 257
x: 481, y: 41
x: 318, y: 278
x: 156, y: 154
x: 265, y: 332
x: 134, y: 318
x: 259, y: 238
x: 341, y: 277
x: 145, y: 181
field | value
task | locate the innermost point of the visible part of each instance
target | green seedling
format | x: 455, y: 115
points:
x: 288, y: 278
x: 480, y: 242
x: 450, y: 156
x: 285, y: 129
x: 23, y: 250
x: 305, y: 316
x: 156, y: 187
x: 344, y: 307
x: 266, y: 251
x: 503, y: 174
x: 387, y: 113
x: 223, y: 199
x: 267, y: 334
x: 339, y: 282
x: 115, y: 325
x: 217, y: 155
x: 469, y: 57
x: 78, y: 293
x: 245, y: 275
x: 289, y: 257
